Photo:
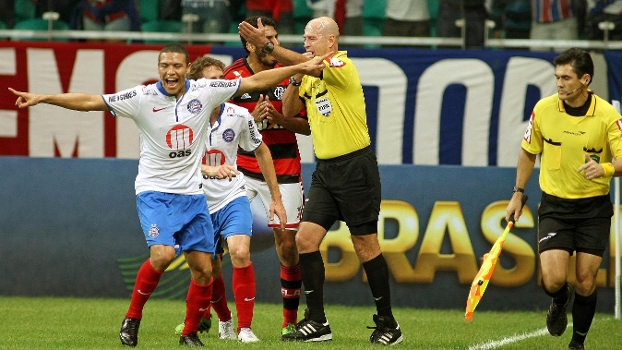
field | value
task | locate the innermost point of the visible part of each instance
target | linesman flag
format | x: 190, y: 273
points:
x: 480, y: 282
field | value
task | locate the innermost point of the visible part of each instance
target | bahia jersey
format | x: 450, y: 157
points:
x: 235, y: 127
x: 282, y: 142
x: 173, y: 132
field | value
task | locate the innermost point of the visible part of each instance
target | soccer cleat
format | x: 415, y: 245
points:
x: 575, y: 346
x: 309, y: 331
x: 556, y: 318
x: 204, y: 326
x: 226, y: 330
x: 246, y: 335
x: 191, y: 340
x: 386, y: 332
x: 129, y: 332
x: 290, y: 328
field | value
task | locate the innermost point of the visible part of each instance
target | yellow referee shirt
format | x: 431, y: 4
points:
x: 563, y: 140
x: 336, y: 108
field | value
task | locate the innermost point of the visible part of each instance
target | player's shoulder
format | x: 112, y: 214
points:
x: 237, y: 69
x: 339, y: 60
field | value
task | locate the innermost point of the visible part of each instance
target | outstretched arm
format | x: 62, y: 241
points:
x: 264, y: 158
x: 73, y: 100
x: 257, y: 37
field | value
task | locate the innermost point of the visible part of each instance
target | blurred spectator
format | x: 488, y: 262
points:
x: 7, y: 13
x: 474, y: 14
x: 170, y: 10
x: 512, y: 18
x: 322, y: 8
x: 552, y: 20
x: 63, y: 7
x: 214, y: 16
x: 108, y: 15
x: 282, y: 11
x: 407, y: 18
x: 349, y: 16
x: 600, y: 11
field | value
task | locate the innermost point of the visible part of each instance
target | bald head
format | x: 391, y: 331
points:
x: 324, y: 26
x: 321, y: 36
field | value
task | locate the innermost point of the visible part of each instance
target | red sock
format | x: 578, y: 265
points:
x: 146, y: 282
x: 291, y: 283
x: 244, y: 289
x: 197, y: 301
x: 219, y: 300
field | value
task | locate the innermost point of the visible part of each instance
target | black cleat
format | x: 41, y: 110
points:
x: 575, y: 346
x: 129, y: 332
x: 556, y: 318
x: 190, y: 340
x: 310, y: 331
x: 387, y: 331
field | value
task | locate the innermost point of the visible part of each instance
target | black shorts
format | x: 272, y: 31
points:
x: 346, y: 188
x: 581, y: 225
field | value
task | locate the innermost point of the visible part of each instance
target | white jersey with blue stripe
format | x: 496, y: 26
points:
x: 173, y: 132
x: 235, y: 127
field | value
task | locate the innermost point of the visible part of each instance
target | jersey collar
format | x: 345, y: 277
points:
x: 590, y: 111
x: 163, y: 91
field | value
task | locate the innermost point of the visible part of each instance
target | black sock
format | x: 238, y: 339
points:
x: 560, y: 297
x: 313, y: 275
x: 378, y: 279
x: 583, y: 310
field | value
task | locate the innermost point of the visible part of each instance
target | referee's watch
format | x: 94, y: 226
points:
x: 293, y: 81
x: 268, y: 48
x: 518, y: 189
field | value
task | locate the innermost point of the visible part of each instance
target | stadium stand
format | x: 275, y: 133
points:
x: 24, y: 10
x: 161, y: 26
x: 41, y: 25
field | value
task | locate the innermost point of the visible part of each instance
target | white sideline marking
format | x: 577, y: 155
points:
x: 493, y: 344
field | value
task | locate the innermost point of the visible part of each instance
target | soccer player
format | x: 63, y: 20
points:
x: 229, y: 206
x: 577, y: 134
x: 280, y: 135
x: 172, y: 116
x: 346, y: 182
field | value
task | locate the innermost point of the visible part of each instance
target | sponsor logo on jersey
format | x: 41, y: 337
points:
x: 194, y: 106
x: 619, y: 124
x: 230, y: 110
x: 223, y: 83
x: 245, y: 96
x: 336, y: 63
x: 179, y: 137
x: 228, y: 135
x: 156, y: 110
x: 323, y: 106
x: 121, y: 97
x: 253, y: 134
x: 154, y: 231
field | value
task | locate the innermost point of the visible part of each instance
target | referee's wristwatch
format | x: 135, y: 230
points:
x: 518, y: 189
x: 293, y: 81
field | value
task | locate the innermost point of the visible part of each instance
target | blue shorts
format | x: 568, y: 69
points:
x: 176, y: 220
x: 234, y: 219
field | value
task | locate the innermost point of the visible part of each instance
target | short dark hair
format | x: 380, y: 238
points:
x: 175, y: 48
x: 580, y: 60
x: 196, y: 69
x: 266, y: 21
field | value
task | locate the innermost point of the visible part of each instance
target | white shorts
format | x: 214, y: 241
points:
x: 291, y: 194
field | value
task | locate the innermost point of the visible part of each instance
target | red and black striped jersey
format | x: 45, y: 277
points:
x: 282, y: 142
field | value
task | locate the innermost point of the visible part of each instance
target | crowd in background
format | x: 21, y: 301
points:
x: 513, y: 19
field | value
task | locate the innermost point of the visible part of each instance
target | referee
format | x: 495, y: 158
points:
x: 346, y: 182
x: 577, y: 134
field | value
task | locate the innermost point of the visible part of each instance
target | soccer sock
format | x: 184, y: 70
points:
x: 146, y: 282
x: 291, y: 283
x: 244, y: 290
x: 560, y: 297
x: 313, y: 275
x: 219, y: 300
x: 378, y: 279
x: 583, y: 310
x: 197, y: 301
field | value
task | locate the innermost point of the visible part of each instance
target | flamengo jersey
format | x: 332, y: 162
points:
x: 173, y: 132
x: 282, y: 142
x: 235, y: 127
x: 336, y: 108
x: 563, y: 140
